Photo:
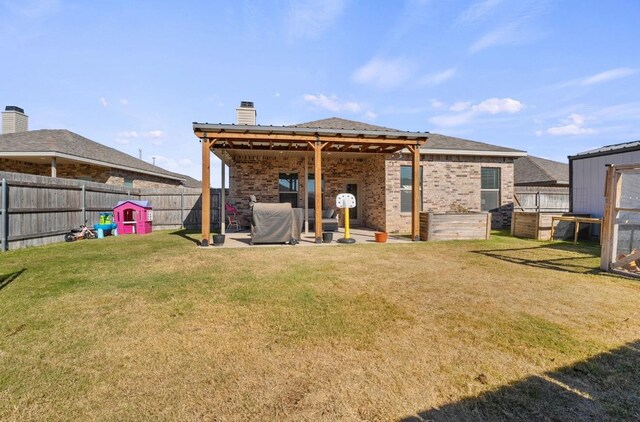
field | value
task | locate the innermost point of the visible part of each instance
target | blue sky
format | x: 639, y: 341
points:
x: 550, y: 77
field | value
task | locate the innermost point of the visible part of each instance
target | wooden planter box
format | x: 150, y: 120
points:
x: 537, y: 225
x: 455, y: 226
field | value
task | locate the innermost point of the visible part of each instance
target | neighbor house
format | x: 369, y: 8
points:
x: 588, y: 171
x: 278, y: 164
x: 62, y: 153
x: 541, y: 184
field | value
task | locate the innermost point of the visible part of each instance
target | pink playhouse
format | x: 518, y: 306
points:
x: 133, y: 217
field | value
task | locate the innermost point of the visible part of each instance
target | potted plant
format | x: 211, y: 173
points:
x: 218, y: 239
x: 381, y: 237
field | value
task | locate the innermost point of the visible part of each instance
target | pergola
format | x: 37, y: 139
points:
x: 303, y: 139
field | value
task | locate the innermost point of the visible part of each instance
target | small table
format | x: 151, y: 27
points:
x: 577, y: 221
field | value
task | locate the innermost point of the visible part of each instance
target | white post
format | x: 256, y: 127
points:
x: 54, y: 167
x: 223, y: 199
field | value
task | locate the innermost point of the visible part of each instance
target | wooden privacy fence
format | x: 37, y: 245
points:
x: 542, y: 201
x: 36, y: 210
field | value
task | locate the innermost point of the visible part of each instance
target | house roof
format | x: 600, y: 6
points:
x: 65, y: 144
x: 143, y: 204
x: 436, y: 144
x: 532, y: 170
x: 608, y: 150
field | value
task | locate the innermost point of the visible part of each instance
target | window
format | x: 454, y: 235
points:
x: 128, y: 182
x: 312, y: 191
x: 288, y: 188
x: 489, y: 189
x: 406, y: 183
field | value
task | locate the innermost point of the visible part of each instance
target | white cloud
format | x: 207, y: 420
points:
x: 332, y: 103
x: 185, y: 162
x: 465, y: 111
x: 277, y: 94
x: 370, y: 115
x: 498, y: 105
x: 477, y: 11
x: 310, y: 18
x: 438, y: 78
x: 608, y: 75
x: 500, y: 36
x: 103, y: 101
x: 155, y: 136
x: 436, y: 104
x: 124, y: 101
x: 384, y: 74
x: 572, y: 125
x: 451, y: 120
x: 460, y: 106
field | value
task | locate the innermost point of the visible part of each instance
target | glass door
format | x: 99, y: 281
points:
x: 354, y: 213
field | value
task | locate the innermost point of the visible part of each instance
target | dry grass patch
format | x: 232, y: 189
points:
x: 152, y: 328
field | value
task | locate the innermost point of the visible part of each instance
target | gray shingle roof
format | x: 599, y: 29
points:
x: 435, y: 142
x: 71, y: 144
x: 444, y: 142
x: 338, y: 123
x: 609, y: 149
x: 535, y: 170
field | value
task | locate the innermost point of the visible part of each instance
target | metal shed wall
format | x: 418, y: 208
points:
x: 588, y: 179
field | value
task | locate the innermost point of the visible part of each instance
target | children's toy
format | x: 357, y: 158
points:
x: 133, y: 217
x: 106, y: 225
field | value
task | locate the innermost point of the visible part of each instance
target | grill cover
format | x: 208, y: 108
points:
x: 274, y: 223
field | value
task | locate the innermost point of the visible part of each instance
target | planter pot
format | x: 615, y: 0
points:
x: 218, y: 239
x: 327, y: 237
x: 381, y: 237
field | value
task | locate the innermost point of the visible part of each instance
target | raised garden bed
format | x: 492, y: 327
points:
x: 455, y: 226
x: 537, y: 225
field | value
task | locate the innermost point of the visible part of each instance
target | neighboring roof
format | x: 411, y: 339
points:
x: 608, y: 150
x: 436, y: 144
x: 532, y: 170
x: 66, y: 144
x: 143, y: 204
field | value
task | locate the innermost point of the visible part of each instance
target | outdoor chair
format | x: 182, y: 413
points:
x: 233, y: 223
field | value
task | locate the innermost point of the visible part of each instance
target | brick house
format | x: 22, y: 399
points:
x: 61, y: 153
x: 456, y: 174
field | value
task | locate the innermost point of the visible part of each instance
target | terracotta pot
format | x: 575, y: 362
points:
x: 381, y: 237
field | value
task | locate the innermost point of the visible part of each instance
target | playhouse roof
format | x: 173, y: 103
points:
x: 143, y: 204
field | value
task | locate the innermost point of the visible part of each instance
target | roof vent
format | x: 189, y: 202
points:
x: 246, y: 113
x: 14, y: 120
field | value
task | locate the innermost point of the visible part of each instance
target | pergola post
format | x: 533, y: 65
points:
x: 415, y: 194
x: 306, y: 195
x: 206, y: 192
x: 317, y: 178
x: 223, y: 199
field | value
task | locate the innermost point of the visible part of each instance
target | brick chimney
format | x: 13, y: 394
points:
x: 14, y: 120
x: 246, y: 113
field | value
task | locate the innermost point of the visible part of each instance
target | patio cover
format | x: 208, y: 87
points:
x: 317, y: 140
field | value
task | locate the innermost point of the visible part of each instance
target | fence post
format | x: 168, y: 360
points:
x: 4, y: 210
x: 84, y: 203
x: 538, y: 201
x: 182, y: 209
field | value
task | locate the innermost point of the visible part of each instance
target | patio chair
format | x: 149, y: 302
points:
x: 233, y: 222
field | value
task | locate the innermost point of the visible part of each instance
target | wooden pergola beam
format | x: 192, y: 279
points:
x: 375, y: 140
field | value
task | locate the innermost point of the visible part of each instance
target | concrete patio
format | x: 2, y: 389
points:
x: 242, y: 239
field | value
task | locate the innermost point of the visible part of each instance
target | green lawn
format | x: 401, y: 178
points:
x: 153, y: 328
